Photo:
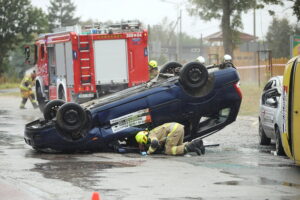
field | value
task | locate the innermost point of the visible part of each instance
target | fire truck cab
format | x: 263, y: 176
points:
x: 74, y: 65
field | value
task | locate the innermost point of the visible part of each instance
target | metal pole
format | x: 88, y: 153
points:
x: 254, y: 32
x: 258, y: 62
x: 270, y: 61
x: 180, y: 35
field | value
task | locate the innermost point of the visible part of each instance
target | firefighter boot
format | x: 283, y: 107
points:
x: 195, y: 146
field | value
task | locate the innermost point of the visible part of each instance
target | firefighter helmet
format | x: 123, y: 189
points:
x: 201, y: 59
x: 153, y: 63
x: 141, y: 137
x: 227, y: 58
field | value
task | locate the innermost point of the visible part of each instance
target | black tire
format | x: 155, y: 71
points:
x: 40, y: 99
x: 193, y: 75
x: 263, y: 139
x: 71, y: 117
x: 51, y: 108
x: 61, y: 94
x: 278, y: 144
x: 171, y: 68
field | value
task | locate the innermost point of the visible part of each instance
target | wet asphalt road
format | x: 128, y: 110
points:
x: 237, y: 169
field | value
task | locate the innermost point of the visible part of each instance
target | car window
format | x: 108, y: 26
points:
x: 270, y: 98
x: 208, y: 122
x: 268, y: 85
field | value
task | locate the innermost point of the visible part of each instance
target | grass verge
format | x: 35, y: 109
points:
x: 251, y: 97
x: 9, y: 85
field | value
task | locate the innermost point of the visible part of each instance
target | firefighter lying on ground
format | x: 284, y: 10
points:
x: 153, y: 70
x: 168, y: 137
x: 26, y: 90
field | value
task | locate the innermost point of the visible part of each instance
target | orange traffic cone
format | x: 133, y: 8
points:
x: 96, y: 196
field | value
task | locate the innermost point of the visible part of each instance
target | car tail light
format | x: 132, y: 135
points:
x: 238, y: 89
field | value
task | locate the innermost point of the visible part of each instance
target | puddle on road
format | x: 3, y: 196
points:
x: 7, y: 139
x: 259, y: 181
x: 292, y: 165
x: 3, y: 112
x: 85, y: 174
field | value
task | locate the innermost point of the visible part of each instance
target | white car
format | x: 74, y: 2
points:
x: 270, y: 114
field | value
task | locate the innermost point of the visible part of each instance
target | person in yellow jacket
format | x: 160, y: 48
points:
x: 168, y: 137
x: 26, y: 90
x: 153, y: 70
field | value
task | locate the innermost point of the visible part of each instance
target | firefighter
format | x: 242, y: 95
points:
x: 227, y: 63
x: 26, y: 90
x: 153, y: 69
x: 201, y: 59
x: 167, y: 137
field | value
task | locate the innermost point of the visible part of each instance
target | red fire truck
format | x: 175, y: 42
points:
x: 79, y: 66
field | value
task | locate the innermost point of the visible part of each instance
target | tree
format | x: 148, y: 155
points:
x: 278, y: 37
x: 61, y: 14
x: 229, y: 11
x: 18, y: 21
x: 296, y: 8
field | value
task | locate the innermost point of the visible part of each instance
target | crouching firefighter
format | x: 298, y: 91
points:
x: 169, y: 138
x: 26, y: 90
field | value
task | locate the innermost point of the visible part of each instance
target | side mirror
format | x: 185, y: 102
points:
x: 271, y: 102
x: 27, y: 54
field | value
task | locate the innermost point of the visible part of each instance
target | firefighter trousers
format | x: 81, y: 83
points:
x: 28, y: 95
x: 174, y: 143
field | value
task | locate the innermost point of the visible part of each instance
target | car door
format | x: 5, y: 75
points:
x: 268, y: 111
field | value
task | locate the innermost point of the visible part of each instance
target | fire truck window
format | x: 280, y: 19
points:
x: 35, y: 54
x: 42, y: 50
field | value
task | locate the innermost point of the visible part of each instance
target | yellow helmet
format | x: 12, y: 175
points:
x: 141, y: 137
x: 153, y: 63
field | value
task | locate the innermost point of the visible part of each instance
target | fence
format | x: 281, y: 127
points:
x: 262, y: 73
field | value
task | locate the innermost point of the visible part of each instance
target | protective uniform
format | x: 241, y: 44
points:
x: 170, y: 137
x: 26, y: 90
x: 153, y: 69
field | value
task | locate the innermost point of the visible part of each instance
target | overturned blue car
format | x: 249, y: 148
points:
x: 203, y: 99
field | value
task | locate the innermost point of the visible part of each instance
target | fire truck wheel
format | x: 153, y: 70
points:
x: 71, y: 117
x: 40, y: 99
x: 51, y: 108
x: 193, y: 75
x: 171, y: 68
x: 61, y: 94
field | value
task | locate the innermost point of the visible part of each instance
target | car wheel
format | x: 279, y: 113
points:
x: 71, y: 117
x: 40, y: 99
x: 263, y: 139
x: 193, y: 75
x: 51, y: 108
x: 278, y: 144
x: 171, y: 68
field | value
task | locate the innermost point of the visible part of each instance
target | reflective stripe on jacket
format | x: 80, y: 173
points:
x: 161, y: 134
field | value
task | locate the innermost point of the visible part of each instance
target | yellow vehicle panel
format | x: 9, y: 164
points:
x: 291, y: 109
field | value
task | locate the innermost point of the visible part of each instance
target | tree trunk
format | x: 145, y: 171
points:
x: 226, y: 29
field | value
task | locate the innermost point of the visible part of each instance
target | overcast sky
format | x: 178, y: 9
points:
x: 153, y: 11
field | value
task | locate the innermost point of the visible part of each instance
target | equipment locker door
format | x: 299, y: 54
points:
x: 60, y: 60
x: 69, y: 64
x: 111, y: 65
